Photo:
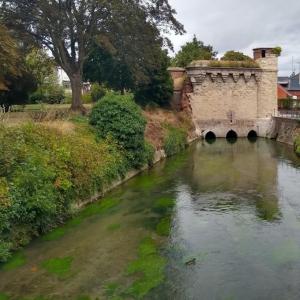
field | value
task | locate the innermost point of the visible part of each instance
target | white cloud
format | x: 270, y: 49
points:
x: 243, y: 25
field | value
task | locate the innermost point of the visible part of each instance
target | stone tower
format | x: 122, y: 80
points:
x: 233, y: 96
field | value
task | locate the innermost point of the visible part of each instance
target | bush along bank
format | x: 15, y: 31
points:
x: 44, y: 173
x: 297, y: 146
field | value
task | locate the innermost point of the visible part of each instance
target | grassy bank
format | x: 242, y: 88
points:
x: 48, y: 168
x: 297, y: 145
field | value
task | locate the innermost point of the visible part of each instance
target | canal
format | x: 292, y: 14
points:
x: 220, y: 221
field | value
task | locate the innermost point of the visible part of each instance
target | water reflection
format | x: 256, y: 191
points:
x: 239, y: 220
x: 228, y: 175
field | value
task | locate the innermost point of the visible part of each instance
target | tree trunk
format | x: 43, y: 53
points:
x: 76, y: 85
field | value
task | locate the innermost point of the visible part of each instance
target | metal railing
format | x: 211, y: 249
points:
x: 289, y: 113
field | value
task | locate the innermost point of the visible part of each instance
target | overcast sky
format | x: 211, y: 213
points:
x: 242, y: 25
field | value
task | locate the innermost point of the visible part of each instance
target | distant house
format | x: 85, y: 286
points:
x: 65, y: 82
x: 283, y: 93
x: 289, y: 86
x: 63, y: 79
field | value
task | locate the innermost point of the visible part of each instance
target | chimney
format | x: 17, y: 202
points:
x: 262, y: 53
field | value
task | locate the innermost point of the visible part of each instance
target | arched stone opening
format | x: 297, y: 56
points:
x: 210, y: 137
x: 252, y: 136
x: 231, y: 135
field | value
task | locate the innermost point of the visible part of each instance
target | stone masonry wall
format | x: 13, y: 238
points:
x: 239, y: 99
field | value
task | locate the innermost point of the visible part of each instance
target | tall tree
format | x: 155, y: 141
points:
x: 150, y: 81
x: 69, y: 27
x: 194, y: 50
x: 9, y: 57
x: 16, y: 82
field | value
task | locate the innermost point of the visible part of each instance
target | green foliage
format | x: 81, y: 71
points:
x: 277, y: 51
x: 40, y: 65
x: 9, y: 57
x: 19, y: 88
x: 235, y: 56
x: 107, y: 67
x: 42, y: 173
x: 149, y: 154
x: 194, y: 50
x: 148, y: 78
x: 43, y: 69
x: 288, y: 103
x: 51, y: 93
x: 97, y: 92
x: 87, y: 98
x: 119, y: 117
x: 60, y: 267
x: 175, y: 141
x: 77, y: 26
x: 234, y: 64
x: 159, y: 88
x: 151, y: 267
x: 4, y: 251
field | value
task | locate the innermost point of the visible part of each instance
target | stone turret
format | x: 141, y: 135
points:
x: 262, y: 53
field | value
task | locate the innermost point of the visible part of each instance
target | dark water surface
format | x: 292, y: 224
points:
x: 235, y: 233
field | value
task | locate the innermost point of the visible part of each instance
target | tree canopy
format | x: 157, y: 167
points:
x: 235, y: 56
x: 150, y: 81
x: 16, y: 82
x: 9, y: 57
x: 69, y: 28
x: 194, y: 50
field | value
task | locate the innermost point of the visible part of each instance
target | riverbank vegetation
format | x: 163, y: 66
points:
x: 48, y: 168
x: 297, y: 146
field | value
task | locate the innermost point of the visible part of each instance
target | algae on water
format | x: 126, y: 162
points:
x: 3, y: 296
x: 16, y: 261
x: 151, y: 265
x: 60, y: 267
x: 163, y: 228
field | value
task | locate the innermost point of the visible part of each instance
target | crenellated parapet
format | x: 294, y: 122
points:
x: 199, y: 75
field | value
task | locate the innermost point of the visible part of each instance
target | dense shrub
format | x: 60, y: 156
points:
x: 120, y: 117
x: 159, y: 88
x: 175, y: 141
x: 297, y: 146
x: 43, y: 173
x: 97, y: 92
x: 149, y: 154
x: 288, y: 103
x: 53, y: 95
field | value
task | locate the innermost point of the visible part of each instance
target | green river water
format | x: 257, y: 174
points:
x: 220, y: 221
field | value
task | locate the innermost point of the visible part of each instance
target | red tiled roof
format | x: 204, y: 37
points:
x: 282, y: 92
